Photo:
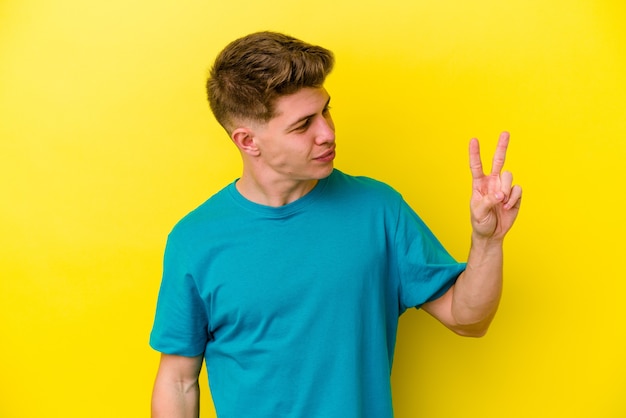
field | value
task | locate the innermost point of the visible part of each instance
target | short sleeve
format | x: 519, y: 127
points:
x: 425, y: 267
x: 180, y: 324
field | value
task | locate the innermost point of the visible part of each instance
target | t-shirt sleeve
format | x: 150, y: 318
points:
x: 180, y: 324
x: 426, y: 269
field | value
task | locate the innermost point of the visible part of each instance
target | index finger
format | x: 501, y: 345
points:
x: 476, y: 165
x: 500, y: 154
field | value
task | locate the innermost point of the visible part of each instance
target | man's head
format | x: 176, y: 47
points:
x: 252, y: 72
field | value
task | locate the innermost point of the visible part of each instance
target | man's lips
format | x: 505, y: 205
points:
x: 326, y: 155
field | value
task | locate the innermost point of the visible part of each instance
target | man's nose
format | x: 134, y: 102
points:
x: 326, y: 130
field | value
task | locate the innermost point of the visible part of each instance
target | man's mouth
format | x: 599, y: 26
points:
x: 328, y: 155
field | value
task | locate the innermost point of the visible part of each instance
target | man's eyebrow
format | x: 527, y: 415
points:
x: 294, y: 124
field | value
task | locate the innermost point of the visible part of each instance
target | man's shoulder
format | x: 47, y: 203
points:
x: 363, y: 185
x: 213, y: 210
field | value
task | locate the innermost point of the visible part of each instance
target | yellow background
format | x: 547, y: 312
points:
x: 106, y: 141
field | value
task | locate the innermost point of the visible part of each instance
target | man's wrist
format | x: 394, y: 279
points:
x: 486, y: 243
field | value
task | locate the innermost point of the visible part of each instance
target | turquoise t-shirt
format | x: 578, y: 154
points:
x: 296, y: 308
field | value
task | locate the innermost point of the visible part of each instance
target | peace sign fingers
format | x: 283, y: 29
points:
x: 495, y: 200
x: 476, y: 165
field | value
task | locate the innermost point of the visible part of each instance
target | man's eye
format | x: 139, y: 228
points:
x: 304, y: 126
x: 326, y: 110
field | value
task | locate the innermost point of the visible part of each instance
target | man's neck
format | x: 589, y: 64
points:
x: 273, y: 193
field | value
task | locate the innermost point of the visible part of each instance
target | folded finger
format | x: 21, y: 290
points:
x: 506, y: 183
x: 515, y: 198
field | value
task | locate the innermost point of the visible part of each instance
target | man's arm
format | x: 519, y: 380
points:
x: 176, y: 391
x: 469, y: 306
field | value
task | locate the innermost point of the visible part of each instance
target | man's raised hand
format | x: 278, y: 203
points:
x: 495, y: 202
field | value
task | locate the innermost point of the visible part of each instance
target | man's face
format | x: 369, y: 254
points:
x: 299, y: 142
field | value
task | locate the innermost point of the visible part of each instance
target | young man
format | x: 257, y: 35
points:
x: 289, y: 282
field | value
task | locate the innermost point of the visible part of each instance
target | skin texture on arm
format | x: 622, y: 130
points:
x: 470, y: 305
x: 176, y: 392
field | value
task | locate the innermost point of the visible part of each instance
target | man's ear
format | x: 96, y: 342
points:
x: 244, y: 140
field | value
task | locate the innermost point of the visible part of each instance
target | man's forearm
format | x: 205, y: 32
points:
x: 176, y: 400
x: 478, y: 290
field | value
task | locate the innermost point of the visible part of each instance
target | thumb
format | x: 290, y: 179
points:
x: 482, y: 207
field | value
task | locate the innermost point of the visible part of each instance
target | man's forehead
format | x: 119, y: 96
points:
x: 304, y: 101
